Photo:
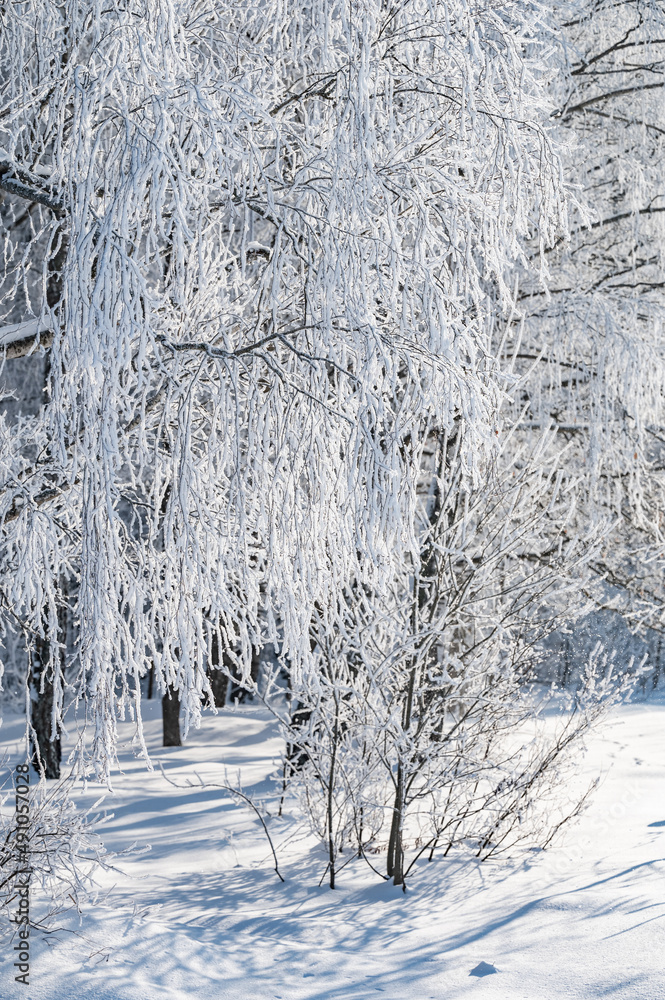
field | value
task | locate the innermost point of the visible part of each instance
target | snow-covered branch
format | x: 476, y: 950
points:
x: 17, y: 340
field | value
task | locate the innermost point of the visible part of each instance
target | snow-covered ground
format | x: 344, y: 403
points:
x: 203, y: 915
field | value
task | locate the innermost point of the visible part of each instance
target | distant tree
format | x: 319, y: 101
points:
x: 589, y: 344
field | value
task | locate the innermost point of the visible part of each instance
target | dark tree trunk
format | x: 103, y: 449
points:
x: 171, y: 697
x: 395, y: 859
x: 296, y: 754
x: 332, y: 850
x: 219, y: 683
x: 46, y: 750
x: 236, y: 692
x: 655, y: 677
x: 217, y: 676
x: 171, y: 718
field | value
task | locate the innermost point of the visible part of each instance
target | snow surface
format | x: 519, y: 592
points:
x: 202, y: 915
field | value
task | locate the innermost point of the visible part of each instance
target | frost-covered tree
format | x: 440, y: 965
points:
x: 260, y: 243
x: 581, y: 356
x: 420, y: 730
x: 591, y: 341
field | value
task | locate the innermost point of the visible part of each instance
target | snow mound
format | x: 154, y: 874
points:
x: 483, y: 969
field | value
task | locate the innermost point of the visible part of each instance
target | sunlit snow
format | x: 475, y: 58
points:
x: 203, y: 915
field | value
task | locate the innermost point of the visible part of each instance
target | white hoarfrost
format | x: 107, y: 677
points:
x: 273, y: 240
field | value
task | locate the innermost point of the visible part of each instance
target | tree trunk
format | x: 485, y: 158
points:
x: 395, y: 861
x: 236, y: 692
x: 217, y: 676
x: 46, y: 750
x: 331, y: 788
x: 171, y: 718
x: 297, y: 755
x: 45, y: 745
